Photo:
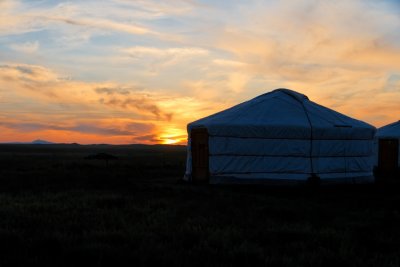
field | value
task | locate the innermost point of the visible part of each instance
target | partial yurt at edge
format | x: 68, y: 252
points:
x: 388, y: 149
x: 279, y: 137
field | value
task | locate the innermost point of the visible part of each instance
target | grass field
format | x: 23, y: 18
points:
x: 58, y: 208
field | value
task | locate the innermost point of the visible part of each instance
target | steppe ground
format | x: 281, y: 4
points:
x: 58, y: 208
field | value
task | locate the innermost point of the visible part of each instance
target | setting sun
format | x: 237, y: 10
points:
x: 169, y: 141
x: 173, y: 136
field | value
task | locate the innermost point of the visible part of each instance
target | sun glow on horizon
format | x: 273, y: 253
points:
x: 172, y: 136
x: 169, y: 141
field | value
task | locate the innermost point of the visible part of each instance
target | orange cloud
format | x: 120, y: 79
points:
x: 41, y: 104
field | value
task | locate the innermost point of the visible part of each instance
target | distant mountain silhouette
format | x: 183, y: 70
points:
x: 41, y: 142
x: 34, y: 142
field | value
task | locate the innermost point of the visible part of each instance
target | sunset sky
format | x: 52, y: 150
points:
x: 126, y: 71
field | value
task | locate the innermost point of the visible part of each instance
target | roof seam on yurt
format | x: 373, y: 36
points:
x: 294, y: 95
x: 311, y: 135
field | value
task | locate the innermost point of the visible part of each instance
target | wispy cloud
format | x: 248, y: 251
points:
x: 155, y: 60
x: 100, y: 16
x: 112, y: 91
x: 27, y: 47
x: 142, y: 51
x: 140, y: 103
x: 103, y: 24
x: 161, y: 9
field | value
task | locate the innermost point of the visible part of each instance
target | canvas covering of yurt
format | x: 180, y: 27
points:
x: 388, y: 148
x: 279, y: 137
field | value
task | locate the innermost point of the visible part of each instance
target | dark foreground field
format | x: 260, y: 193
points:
x: 59, y: 209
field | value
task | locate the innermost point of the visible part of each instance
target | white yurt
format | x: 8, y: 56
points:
x: 279, y: 137
x: 388, y: 149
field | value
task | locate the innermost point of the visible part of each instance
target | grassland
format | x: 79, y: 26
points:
x: 58, y: 208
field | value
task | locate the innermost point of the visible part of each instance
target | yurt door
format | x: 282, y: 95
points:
x: 388, y: 155
x: 199, y: 141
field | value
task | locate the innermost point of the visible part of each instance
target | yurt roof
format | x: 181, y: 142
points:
x: 391, y: 130
x: 282, y: 112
